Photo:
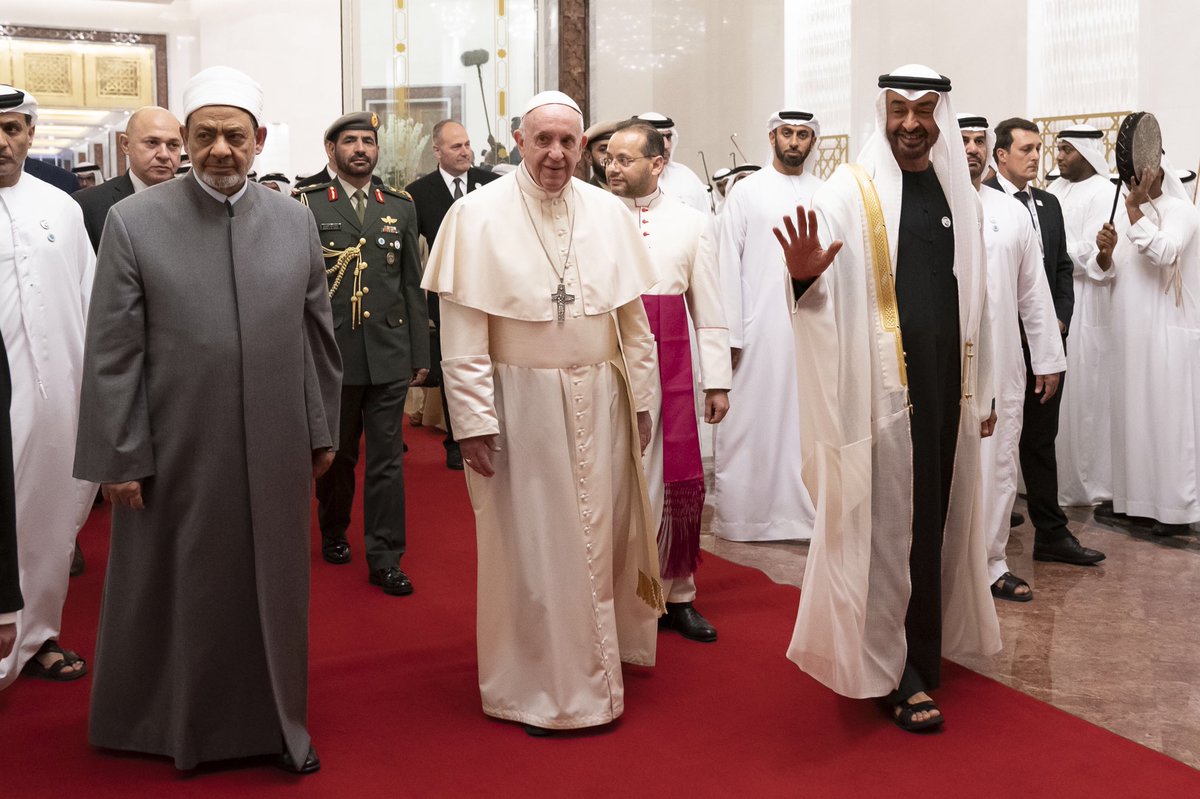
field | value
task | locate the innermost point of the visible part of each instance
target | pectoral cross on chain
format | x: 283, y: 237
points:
x: 562, y: 299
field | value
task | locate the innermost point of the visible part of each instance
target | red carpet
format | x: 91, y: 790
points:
x: 394, y: 706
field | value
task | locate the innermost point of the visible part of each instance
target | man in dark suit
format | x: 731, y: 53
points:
x: 57, y: 177
x: 369, y: 237
x: 1018, y: 152
x: 433, y: 195
x: 10, y: 577
x: 152, y: 145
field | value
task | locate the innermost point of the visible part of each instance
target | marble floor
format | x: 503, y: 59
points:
x: 1117, y: 644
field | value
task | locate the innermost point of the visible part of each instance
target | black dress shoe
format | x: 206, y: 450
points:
x: 392, y: 581
x: 454, y: 458
x: 336, y: 551
x: 1015, y: 519
x: 536, y: 731
x: 1104, y: 512
x: 684, y: 619
x: 1066, y: 550
x: 1161, y: 529
x: 77, y: 562
x: 310, y: 765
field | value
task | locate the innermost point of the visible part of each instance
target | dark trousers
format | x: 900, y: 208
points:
x: 378, y: 411
x: 1039, y: 463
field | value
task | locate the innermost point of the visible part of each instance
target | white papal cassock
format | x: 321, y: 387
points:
x: 1156, y: 368
x: 682, y: 246
x: 1018, y: 293
x: 1084, y: 442
x: 46, y: 271
x: 568, y: 573
x: 759, y: 491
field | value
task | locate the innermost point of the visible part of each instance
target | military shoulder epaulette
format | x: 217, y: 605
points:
x: 314, y: 187
x: 401, y: 193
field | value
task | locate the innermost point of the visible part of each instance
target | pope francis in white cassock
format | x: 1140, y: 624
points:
x: 1156, y: 365
x: 1018, y: 294
x: 547, y: 355
x: 897, y: 572
x: 758, y: 490
x: 46, y: 271
x: 1084, y: 443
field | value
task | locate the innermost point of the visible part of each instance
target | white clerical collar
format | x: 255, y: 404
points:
x: 446, y: 176
x: 642, y: 202
x: 138, y: 183
x: 530, y: 186
x: 218, y: 196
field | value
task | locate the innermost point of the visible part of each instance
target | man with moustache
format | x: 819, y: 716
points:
x: 432, y: 195
x: 550, y: 368
x: 152, y: 145
x: 681, y: 244
x: 209, y: 405
x: 759, y: 493
x: 1018, y: 300
x: 1084, y: 444
x: 596, y: 151
x: 1018, y: 152
x: 897, y: 396
x: 369, y: 240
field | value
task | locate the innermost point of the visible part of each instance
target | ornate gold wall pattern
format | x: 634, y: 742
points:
x: 832, y: 151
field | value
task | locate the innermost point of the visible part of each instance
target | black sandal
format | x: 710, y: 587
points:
x: 904, y: 718
x: 1007, y: 589
x: 34, y: 667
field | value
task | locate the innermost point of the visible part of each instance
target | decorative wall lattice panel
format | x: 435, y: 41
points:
x: 832, y: 151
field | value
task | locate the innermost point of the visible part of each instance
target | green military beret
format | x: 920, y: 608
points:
x: 359, y: 120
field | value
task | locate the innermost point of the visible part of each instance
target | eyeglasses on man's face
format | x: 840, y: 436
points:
x: 623, y: 161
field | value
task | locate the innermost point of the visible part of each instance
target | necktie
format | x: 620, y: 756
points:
x: 1023, y: 196
x: 360, y: 204
x: 458, y: 192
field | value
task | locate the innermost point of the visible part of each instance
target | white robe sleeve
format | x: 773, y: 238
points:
x: 641, y: 358
x: 467, y: 371
x: 1162, y: 243
x: 704, y: 302
x: 731, y: 240
x: 1036, y: 307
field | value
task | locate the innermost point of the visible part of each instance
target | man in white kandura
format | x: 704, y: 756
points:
x: 677, y: 179
x: 1018, y: 295
x: 681, y: 244
x: 1155, y: 251
x: 759, y: 489
x: 899, y: 395
x: 551, y: 375
x: 1084, y: 442
x: 46, y: 272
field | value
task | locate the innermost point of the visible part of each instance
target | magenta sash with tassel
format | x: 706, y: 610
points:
x: 683, y: 471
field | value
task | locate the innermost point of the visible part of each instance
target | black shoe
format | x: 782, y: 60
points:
x: 1104, y: 512
x: 1066, y: 550
x: 77, y: 562
x: 454, y: 458
x: 392, y: 581
x: 1015, y: 519
x: 311, y: 764
x: 684, y: 619
x: 1161, y: 529
x: 536, y: 731
x: 336, y: 551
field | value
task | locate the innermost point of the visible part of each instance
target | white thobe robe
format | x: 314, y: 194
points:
x: 46, y: 271
x: 1084, y: 443
x: 682, y: 245
x: 680, y: 182
x: 1156, y: 364
x: 568, y: 570
x: 1017, y: 291
x: 759, y: 490
x: 850, y: 626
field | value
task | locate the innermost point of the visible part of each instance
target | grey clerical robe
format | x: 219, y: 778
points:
x: 210, y: 374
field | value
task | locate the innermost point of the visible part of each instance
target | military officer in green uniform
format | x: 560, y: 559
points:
x: 369, y: 235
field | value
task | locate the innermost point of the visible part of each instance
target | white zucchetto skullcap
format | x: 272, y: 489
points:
x: 551, y: 98
x: 223, y: 86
